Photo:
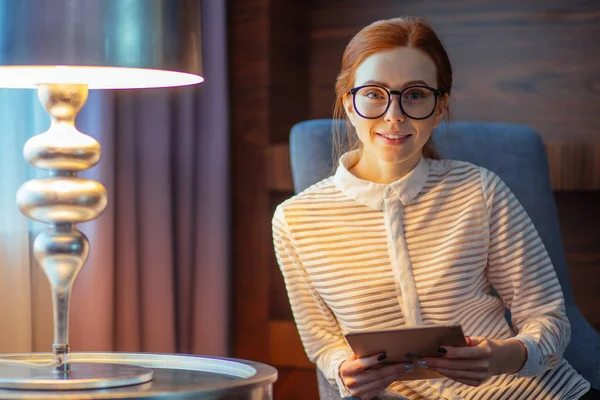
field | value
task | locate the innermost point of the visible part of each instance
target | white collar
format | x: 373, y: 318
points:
x: 372, y: 194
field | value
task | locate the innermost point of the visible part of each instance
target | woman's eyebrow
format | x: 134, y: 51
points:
x: 372, y: 82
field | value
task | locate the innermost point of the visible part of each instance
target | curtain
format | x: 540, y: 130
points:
x: 157, y: 278
x: 19, y: 115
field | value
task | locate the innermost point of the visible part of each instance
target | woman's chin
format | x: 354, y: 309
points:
x: 395, y: 157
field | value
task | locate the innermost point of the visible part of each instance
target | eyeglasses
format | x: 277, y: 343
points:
x: 416, y: 102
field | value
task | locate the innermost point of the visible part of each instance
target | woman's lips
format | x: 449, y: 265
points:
x: 394, y: 137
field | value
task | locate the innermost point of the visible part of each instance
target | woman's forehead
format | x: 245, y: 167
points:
x: 396, y: 67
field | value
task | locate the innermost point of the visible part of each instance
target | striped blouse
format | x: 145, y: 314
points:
x: 360, y: 256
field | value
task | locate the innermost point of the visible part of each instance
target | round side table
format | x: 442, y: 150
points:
x: 174, y: 376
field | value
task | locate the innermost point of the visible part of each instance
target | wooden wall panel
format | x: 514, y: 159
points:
x: 531, y: 62
x: 251, y: 203
x: 286, y: 346
x: 269, y: 72
x: 579, y: 216
x: 574, y: 165
x: 296, y: 384
x: 279, y: 174
x: 288, y: 66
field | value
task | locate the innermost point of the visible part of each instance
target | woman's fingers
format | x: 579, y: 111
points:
x: 372, y: 389
x: 458, y: 364
x: 366, y: 377
x: 369, y: 383
x: 472, y: 352
x: 375, y: 375
x: 354, y: 365
x: 472, y: 364
x: 475, y: 340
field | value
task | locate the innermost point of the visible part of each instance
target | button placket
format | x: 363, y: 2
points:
x: 401, y: 264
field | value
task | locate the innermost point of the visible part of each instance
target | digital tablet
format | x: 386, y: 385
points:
x: 407, y: 345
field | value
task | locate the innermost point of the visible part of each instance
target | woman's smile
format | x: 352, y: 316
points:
x: 393, y: 137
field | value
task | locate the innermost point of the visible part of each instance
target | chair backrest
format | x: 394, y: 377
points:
x: 517, y: 155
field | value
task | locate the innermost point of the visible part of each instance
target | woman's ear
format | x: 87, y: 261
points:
x: 349, y: 108
x: 441, y: 110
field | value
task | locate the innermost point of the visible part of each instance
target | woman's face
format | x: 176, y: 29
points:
x: 393, y: 137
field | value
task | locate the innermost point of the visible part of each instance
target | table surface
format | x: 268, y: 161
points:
x: 176, y: 376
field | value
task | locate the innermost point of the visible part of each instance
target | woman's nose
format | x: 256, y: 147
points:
x: 394, y: 112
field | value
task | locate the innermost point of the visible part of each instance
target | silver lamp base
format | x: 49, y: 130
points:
x: 81, y: 375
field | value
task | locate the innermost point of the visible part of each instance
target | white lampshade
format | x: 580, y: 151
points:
x: 106, y: 44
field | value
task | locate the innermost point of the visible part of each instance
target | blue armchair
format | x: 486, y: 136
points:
x: 517, y: 155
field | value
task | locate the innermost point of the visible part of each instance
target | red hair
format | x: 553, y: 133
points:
x: 381, y: 36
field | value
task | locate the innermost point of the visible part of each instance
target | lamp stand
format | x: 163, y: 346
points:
x: 62, y: 200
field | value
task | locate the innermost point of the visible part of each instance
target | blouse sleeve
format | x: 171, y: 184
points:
x: 520, y: 270
x: 318, y: 328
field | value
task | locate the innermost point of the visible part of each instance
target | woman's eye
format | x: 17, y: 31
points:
x: 414, y: 95
x: 375, y: 95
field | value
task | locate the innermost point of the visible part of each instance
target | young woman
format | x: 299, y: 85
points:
x: 398, y: 237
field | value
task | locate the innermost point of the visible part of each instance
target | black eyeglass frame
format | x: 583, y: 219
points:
x: 435, y: 91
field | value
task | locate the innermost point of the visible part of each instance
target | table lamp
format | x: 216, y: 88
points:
x: 62, y: 48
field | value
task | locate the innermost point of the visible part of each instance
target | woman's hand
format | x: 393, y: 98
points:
x: 483, y: 358
x: 366, y: 377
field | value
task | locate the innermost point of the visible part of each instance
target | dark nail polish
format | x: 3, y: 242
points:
x: 442, y: 350
x: 382, y: 357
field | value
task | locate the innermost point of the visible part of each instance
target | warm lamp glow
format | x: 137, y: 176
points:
x: 29, y: 77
